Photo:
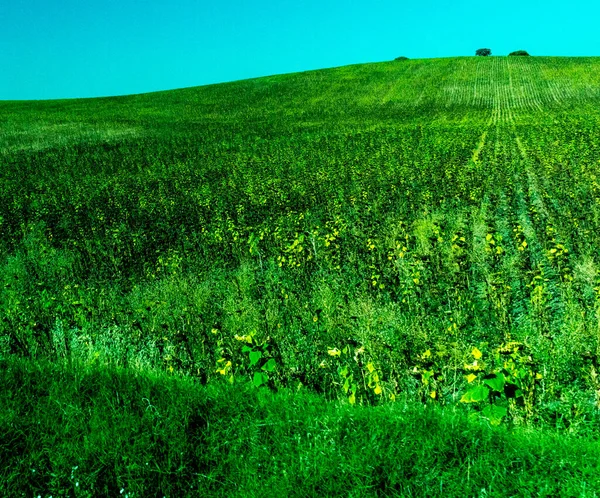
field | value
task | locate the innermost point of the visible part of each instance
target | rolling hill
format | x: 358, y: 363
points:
x: 415, y: 233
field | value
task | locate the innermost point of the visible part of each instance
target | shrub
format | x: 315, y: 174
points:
x: 401, y: 58
x: 483, y: 52
x: 519, y: 52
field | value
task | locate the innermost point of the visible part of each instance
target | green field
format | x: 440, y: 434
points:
x: 340, y: 254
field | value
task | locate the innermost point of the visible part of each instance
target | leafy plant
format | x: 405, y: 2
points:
x: 505, y: 386
x: 429, y: 374
x: 359, y: 381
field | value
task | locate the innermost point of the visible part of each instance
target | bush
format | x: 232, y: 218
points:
x: 401, y: 58
x: 483, y: 52
x: 519, y: 52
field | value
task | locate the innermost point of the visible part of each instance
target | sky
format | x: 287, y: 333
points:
x: 53, y: 49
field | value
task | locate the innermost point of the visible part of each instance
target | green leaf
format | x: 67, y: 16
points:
x: 522, y: 373
x: 259, y: 379
x: 495, y: 381
x: 246, y: 349
x: 477, y: 393
x: 255, y: 357
x: 494, y: 413
x: 270, y: 365
x: 426, y: 375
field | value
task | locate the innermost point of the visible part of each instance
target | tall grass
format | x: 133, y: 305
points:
x: 75, y: 430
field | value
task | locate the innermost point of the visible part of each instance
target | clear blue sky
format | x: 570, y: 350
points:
x: 85, y: 48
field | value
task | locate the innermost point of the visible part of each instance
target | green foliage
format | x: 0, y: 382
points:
x: 432, y: 371
x: 395, y: 213
x: 77, y: 430
x: 359, y: 378
x: 401, y: 58
x: 519, y: 53
x: 260, y: 364
x: 483, y: 52
x: 506, y: 385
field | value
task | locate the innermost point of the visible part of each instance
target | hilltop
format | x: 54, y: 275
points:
x: 390, y: 235
x: 402, y: 91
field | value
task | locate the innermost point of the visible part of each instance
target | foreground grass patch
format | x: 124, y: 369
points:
x: 74, y: 430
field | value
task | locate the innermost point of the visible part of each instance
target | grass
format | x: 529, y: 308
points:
x: 73, y: 430
x: 400, y: 240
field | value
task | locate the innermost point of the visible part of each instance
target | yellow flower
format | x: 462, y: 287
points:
x: 225, y: 368
x: 476, y: 353
x: 334, y: 352
x: 471, y: 378
x: 378, y: 390
x: 244, y: 338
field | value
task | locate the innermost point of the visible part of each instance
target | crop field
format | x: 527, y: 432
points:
x: 423, y: 233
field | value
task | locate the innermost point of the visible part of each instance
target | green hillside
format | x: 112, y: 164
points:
x: 415, y: 233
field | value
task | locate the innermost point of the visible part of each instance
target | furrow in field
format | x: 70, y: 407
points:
x: 524, y: 78
x: 516, y: 89
x: 475, y: 97
x: 509, y: 287
x: 484, y: 89
x: 546, y: 91
x: 495, y: 261
x: 509, y: 98
x: 539, y: 227
x: 572, y: 219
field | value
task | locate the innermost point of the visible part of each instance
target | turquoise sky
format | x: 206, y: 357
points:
x: 71, y: 48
